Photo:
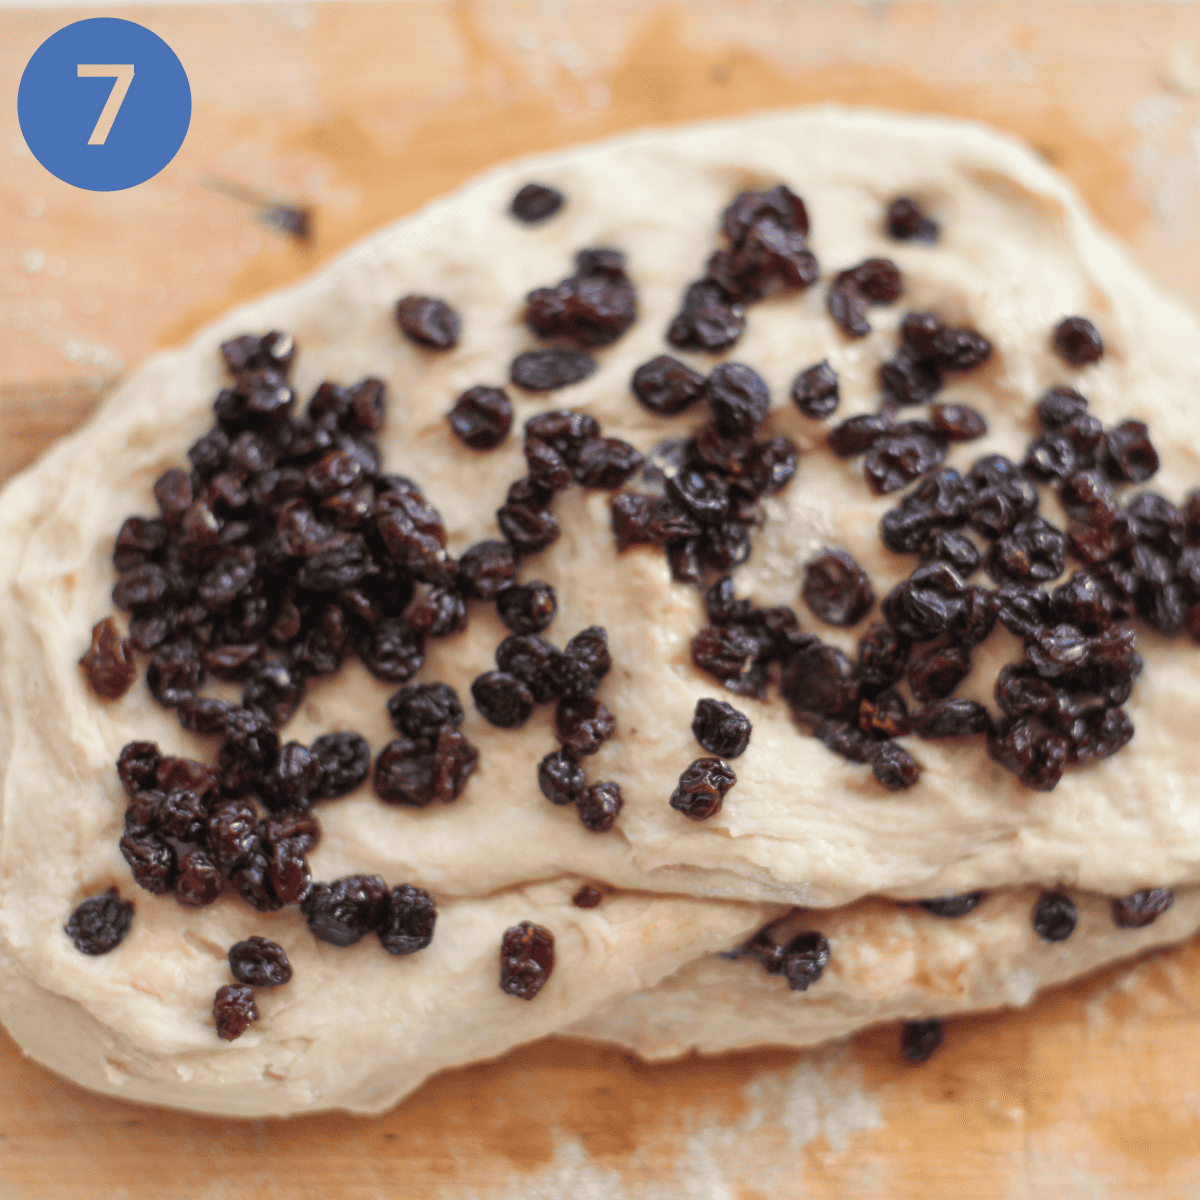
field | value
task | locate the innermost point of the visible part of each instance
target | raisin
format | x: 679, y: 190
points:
x: 535, y: 202
x: 599, y: 805
x: 583, y: 725
x: 820, y: 679
x: 393, y: 651
x: 345, y: 759
x: 1141, y: 908
x: 919, y: 1040
x: 845, y: 740
x: 273, y: 349
x: 174, y: 674
x: 772, y: 464
x: 665, y: 386
x: 526, y: 959
x: 978, y: 618
x: 481, y: 417
x: 566, y: 431
x: 908, y: 378
x: 151, y: 860
x: 952, y: 906
x: 894, y: 767
x: 722, y: 605
x: 173, y: 491
x: 233, y: 1010
x: 560, y: 778
x: 546, y: 466
x: 587, y: 897
x: 454, y: 761
x: 534, y: 661
x: 1035, y: 757
x: 99, y: 924
x: 873, y: 281
x: 420, y: 710
x: 592, y: 308
x: 804, y: 960
x: 606, y: 463
x: 527, y: 529
x: 906, y: 221
x: 898, y: 458
x: 931, y: 601
x: 527, y: 607
x: 724, y: 652
x: 720, y: 728
x: 951, y: 546
x: 259, y: 962
x: 408, y: 920
x: 738, y: 398
x: 1051, y: 457
x: 208, y: 455
x: 1023, y: 610
x: 502, y: 699
x: 549, y: 370
x: 702, y: 788
x: 884, y: 716
x: 724, y: 546
x: 1077, y: 341
x: 200, y: 881
x: 952, y: 718
x: 836, y: 588
x: 1032, y: 550
x: 584, y: 662
x: 1060, y: 406
x: 1099, y: 734
x: 1054, y: 917
x: 108, y: 664
x: 882, y: 656
x: 815, y: 391
x: 404, y: 773
x: 439, y: 613
x: 958, y: 422
x: 205, y: 714
x: 185, y: 774
x: 345, y: 911
x: 485, y: 568
x: 1129, y: 454
x: 428, y: 322
x: 182, y: 814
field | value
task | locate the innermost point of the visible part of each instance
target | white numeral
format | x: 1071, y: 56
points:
x: 124, y: 77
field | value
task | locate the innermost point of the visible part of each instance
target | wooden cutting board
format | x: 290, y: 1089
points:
x: 363, y: 112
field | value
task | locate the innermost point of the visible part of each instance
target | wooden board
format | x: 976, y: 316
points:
x: 365, y: 111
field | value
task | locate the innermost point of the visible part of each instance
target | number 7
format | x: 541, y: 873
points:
x: 124, y: 77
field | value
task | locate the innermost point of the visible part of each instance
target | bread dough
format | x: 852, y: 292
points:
x: 886, y: 963
x: 800, y: 827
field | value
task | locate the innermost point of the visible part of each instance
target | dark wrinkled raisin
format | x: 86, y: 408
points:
x: 274, y: 349
x: 549, y: 370
x: 894, y: 767
x: 182, y: 814
x: 185, y: 774
x: 1084, y: 602
x: 720, y: 728
x: 599, y: 805
x: 454, y: 761
x: 108, y: 664
x: 1077, y: 341
x: 958, y: 422
x: 566, y: 431
x: 584, y: 662
x: 173, y: 491
x: 951, y: 546
x: 393, y: 651
x: 683, y: 557
x: 275, y: 690
x: 535, y: 202
x: 907, y: 378
x: 420, y: 710
x: 587, y: 897
x: 906, y: 222
x: 1023, y: 610
x: 252, y: 880
x: 724, y: 546
x: 527, y: 607
x: 665, y: 386
x: 1051, y: 457
x: 815, y: 391
x: 1032, y: 550
x: 583, y: 725
x: 1054, y: 917
x: 1129, y: 454
x: 485, y: 568
x: 151, y: 860
x: 606, y: 463
x: 502, y: 699
x: 956, y: 717
x: 709, y: 319
x: 882, y: 656
x: 592, y: 308
x: 428, y: 322
x: 404, y: 773
x: 804, y: 960
x: 884, y: 716
x: 738, y: 398
x: 1021, y: 692
x: 200, y: 881
x: 1141, y: 908
x: 702, y: 788
x: 929, y: 602
x: 345, y: 911
x: 233, y: 1010
x: 408, y: 921
x: 873, y: 281
x: 526, y: 959
x: 920, y: 1039
x: 898, y: 458
x: 527, y: 529
x: 820, y: 679
x: 1060, y: 406
x: 546, y: 465
x: 836, y: 588
x: 952, y: 906
x: 259, y: 962
x: 439, y: 613
x: 293, y: 780
x: 205, y: 714
x: 772, y: 464
x: 560, y: 778
x: 1036, y: 758
x: 481, y: 417
x: 724, y: 652
x: 703, y: 496
x: 845, y: 740
x: 345, y: 759
x: 535, y: 662
x: 722, y: 605
x: 174, y: 674
x: 1099, y: 734
x: 100, y: 923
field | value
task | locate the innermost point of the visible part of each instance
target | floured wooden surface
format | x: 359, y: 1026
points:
x: 1090, y: 1093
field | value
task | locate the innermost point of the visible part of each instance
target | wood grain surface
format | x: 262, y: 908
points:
x: 363, y: 112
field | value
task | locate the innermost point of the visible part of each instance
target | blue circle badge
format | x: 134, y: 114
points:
x: 104, y: 104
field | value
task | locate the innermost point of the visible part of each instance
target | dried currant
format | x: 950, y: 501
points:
x: 526, y: 959
x: 481, y: 417
x: 408, y: 920
x: 720, y: 728
x: 702, y: 788
x: 560, y: 778
x: 99, y: 924
x: 259, y: 962
x: 428, y: 321
x: 836, y: 588
x: 599, y: 805
x: 345, y: 911
x: 233, y: 1011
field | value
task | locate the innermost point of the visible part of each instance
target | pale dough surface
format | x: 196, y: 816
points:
x: 801, y: 826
